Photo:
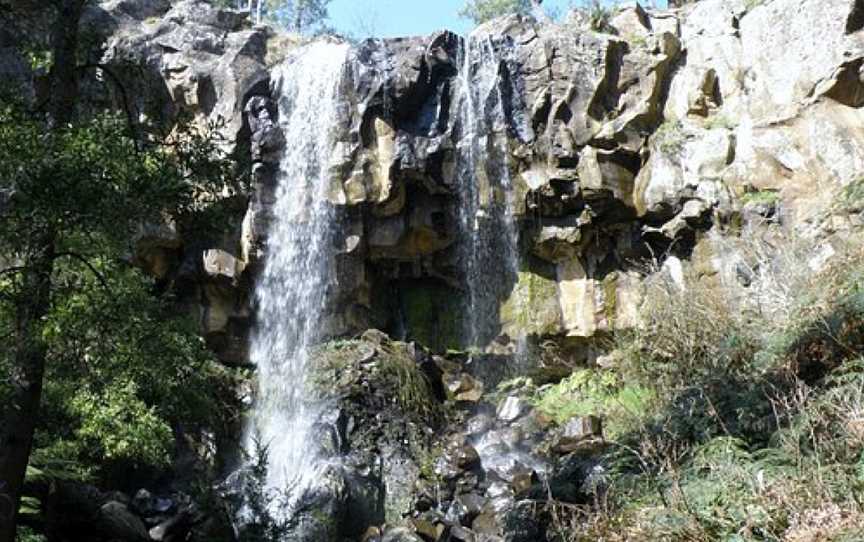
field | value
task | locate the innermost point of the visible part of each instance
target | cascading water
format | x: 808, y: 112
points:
x: 292, y: 292
x: 490, y: 252
x: 488, y: 205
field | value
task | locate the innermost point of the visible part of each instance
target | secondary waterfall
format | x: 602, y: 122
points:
x: 293, y: 289
x: 490, y: 253
x: 488, y: 214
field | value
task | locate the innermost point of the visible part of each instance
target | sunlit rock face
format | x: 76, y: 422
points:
x: 600, y: 149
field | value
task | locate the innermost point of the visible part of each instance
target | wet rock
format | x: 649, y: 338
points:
x: 501, y: 497
x: 464, y: 387
x: 479, y: 424
x: 486, y: 526
x: 400, y: 534
x: 464, y: 508
x: 175, y: 528
x: 430, y: 531
x: 525, y: 522
x: 578, y: 431
x: 459, y: 456
x: 267, y: 140
x: 512, y: 408
x: 321, y: 509
x: 576, y: 478
x: 461, y: 534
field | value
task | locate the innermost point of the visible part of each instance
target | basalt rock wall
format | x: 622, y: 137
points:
x: 625, y: 146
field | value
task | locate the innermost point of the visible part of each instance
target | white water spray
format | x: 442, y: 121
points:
x: 487, y: 212
x: 293, y: 290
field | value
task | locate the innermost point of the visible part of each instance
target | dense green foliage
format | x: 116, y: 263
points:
x: 126, y: 374
x: 123, y: 371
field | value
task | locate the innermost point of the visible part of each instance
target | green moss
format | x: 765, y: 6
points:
x: 322, y: 518
x: 432, y: 315
x: 339, y: 373
x: 335, y: 367
x: 426, y: 458
x: 411, y: 387
x: 532, y: 307
x: 670, y: 137
x: 852, y: 196
x: 719, y: 121
x: 638, y: 40
x: 761, y: 197
x: 590, y: 392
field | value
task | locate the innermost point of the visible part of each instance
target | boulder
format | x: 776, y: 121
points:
x: 115, y: 521
x: 511, y: 408
x: 400, y: 534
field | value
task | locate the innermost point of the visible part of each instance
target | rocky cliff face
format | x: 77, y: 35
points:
x: 623, y: 147
x: 641, y: 150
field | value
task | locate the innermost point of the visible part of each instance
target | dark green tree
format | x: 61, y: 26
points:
x: 73, y: 190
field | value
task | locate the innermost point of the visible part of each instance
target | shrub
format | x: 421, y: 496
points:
x: 592, y: 392
x: 756, y: 430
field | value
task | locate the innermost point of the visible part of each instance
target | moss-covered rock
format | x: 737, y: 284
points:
x: 386, y: 398
x: 532, y: 308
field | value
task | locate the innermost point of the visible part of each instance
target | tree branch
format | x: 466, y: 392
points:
x: 99, y: 276
x: 124, y: 96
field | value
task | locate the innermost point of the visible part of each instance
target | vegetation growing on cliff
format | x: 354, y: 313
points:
x: 754, y: 430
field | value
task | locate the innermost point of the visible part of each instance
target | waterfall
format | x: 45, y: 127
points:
x: 490, y: 255
x: 298, y: 276
x: 488, y: 218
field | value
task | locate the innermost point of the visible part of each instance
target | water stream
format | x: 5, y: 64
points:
x: 490, y: 253
x: 488, y: 218
x: 298, y: 278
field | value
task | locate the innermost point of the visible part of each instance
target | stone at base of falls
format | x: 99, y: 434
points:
x: 464, y: 387
x: 413, y: 473
x: 511, y: 408
x: 400, y: 534
x: 525, y: 522
x: 116, y: 521
x: 582, y: 427
x: 321, y: 509
x: 83, y: 512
